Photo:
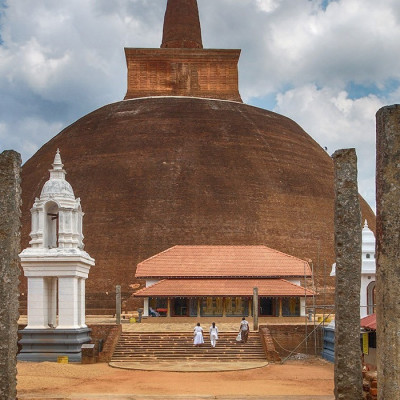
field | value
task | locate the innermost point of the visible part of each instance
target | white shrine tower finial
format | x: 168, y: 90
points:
x: 57, y: 186
x: 57, y: 172
x: 56, y: 267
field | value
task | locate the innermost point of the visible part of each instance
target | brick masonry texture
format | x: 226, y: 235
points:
x: 110, y: 335
x: 388, y: 251
x: 183, y: 72
x: 10, y: 227
x: 348, y: 367
x: 287, y: 338
x: 182, y: 25
x: 268, y: 344
x: 158, y: 172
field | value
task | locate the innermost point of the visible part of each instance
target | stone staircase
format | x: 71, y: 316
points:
x: 178, y: 346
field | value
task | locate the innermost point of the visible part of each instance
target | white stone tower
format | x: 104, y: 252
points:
x: 56, y: 267
x: 368, y: 272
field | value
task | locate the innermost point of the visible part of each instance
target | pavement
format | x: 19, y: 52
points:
x: 190, y: 366
x: 174, y: 397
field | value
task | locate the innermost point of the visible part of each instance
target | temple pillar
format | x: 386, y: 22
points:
x: 68, y: 303
x: 169, y: 307
x: 38, y: 309
x: 81, y: 299
x: 223, y: 307
x: 250, y: 307
x: 198, y: 307
x: 52, y: 302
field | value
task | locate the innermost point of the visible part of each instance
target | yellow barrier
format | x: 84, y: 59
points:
x: 62, y: 359
x: 132, y: 320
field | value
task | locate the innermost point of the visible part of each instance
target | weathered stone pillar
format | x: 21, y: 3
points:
x: 118, y: 304
x: 10, y: 236
x: 255, y: 309
x: 348, y: 367
x: 388, y: 251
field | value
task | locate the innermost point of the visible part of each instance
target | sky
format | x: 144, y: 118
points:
x: 330, y: 65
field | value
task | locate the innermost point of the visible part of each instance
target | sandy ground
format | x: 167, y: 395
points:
x: 292, y: 380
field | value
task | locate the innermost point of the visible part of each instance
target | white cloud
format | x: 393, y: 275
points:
x: 335, y: 121
x: 63, y: 59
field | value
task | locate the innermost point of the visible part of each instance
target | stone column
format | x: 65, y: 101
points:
x: 52, y: 301
x: 82, y: 302
x: 348, y: 368
x: 169, y: 307
x: 303, y: 312
x: 38, y: 303
x: 388, y: 251
x: 68, y: 303
x: 10, y: 237
x: 118, y: 304
x: 146, y: 307
x: 255, y: 309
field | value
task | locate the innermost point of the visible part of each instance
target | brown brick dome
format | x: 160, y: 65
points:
x: 157, y: 172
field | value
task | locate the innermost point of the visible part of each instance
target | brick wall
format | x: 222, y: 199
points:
x: 268, y: 344
x: 370, y: 385
x: 287, y: 337
x: 110, y: 335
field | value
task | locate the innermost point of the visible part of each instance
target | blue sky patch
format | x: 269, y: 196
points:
x: 356, y: 91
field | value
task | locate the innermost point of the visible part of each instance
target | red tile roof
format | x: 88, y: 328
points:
x: 369, y: 322
x: 222, y: 261
x: 222, y: 287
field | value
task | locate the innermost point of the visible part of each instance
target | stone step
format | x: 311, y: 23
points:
x: 134, y: 346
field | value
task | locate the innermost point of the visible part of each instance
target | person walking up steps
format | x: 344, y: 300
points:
x: 198, y: 335
x: 244, y: 330
x: 213, y: 334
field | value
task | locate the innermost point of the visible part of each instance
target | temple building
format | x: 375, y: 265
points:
x: 183, y: 161
x: 218, y: 281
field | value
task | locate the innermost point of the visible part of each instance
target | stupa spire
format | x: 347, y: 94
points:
x: 58, y: 171
x: 182, y: 25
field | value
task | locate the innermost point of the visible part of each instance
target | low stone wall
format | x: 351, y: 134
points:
x: 109, y: 335
x: 268, y: 344
x: 370, y: 385
x: 287, y: 337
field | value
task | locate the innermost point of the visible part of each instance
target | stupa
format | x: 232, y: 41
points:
x: 182, y: 161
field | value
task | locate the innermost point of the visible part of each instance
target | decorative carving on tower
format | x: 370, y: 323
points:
x: 56, y: 267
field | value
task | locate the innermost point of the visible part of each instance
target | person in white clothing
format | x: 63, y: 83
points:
x: 213, y: 334
x: 244, y: 330
x: 198, y: 335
